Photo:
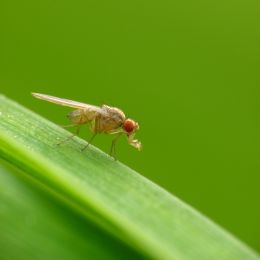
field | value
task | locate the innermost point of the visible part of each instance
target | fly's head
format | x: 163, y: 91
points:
x: 130, y: 127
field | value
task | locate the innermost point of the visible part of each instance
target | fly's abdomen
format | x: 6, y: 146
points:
x: 82, y: 116
x: 78, y: 117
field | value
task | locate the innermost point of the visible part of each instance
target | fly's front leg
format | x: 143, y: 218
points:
x: 135, y: 143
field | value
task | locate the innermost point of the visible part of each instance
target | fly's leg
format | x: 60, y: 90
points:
x: 67, y: 126
x: 89, y: 142
x: 70, y: 137
x: 135, y: 143
x: 93, y: 127
x: 119, y: 131
x: 113, y: 146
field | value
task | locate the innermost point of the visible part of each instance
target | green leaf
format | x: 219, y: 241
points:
x: 95, y: 188
x: 34, y: 225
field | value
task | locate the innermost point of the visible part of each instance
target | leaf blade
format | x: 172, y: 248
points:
x: 34, y: 225
x: 123, y: 202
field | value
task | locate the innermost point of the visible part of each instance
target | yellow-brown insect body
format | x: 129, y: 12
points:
x: 104, y: 119
x: 112, y: 119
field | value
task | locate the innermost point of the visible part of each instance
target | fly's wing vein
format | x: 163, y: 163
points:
x: 68, y: 103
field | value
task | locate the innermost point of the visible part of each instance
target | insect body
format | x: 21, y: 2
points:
x: 104, y: 119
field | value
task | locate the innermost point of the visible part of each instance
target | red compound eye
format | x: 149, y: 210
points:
x: 129, y: 125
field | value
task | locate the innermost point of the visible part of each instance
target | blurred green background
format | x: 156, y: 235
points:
x: 187, y: 71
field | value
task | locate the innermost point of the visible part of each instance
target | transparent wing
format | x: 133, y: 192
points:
x: 68, y: 103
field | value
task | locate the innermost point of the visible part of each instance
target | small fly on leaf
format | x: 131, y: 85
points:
x: 104, y: 119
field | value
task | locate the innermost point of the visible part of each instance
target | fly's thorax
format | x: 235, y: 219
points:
x: 114, y: 112
x: 111, y: 119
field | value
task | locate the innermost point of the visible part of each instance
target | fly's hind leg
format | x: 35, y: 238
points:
x: 68, y: 126
x: 71, y: 136
x: 89, y: 142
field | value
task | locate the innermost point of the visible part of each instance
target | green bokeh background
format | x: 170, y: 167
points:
x: 187, y: 71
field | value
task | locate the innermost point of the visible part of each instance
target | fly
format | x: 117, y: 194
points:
x: 103, y: 119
